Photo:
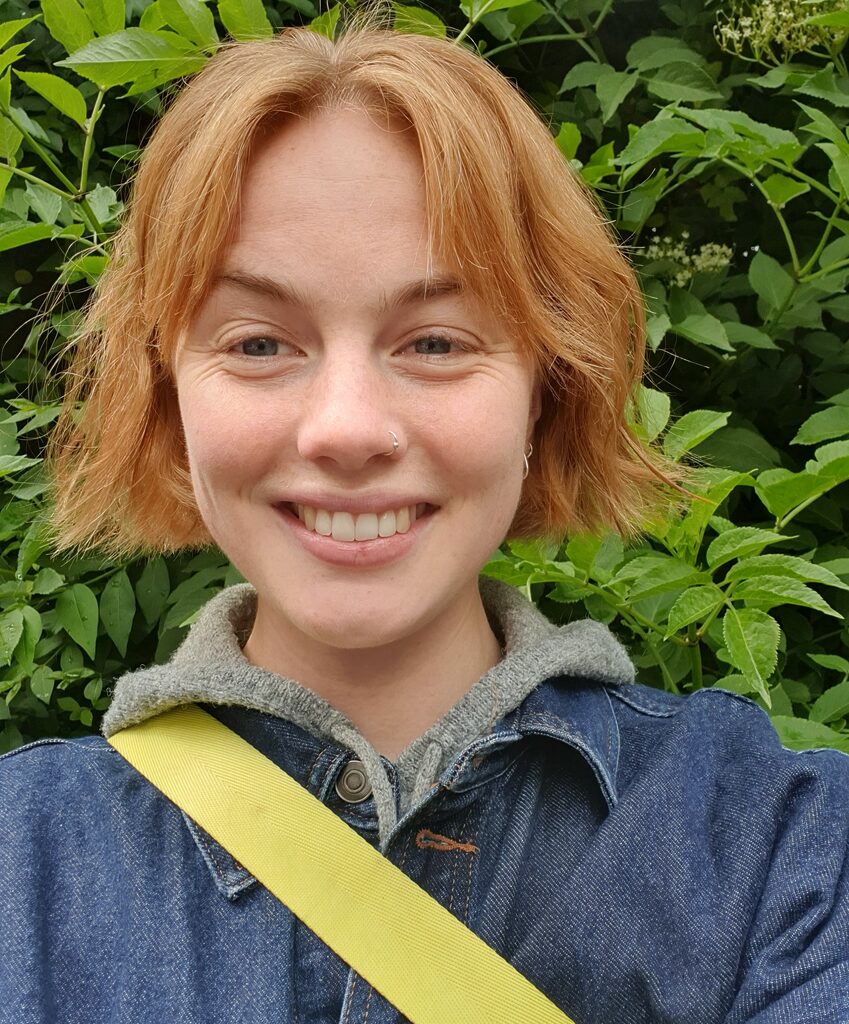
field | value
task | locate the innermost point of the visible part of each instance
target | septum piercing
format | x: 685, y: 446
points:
x: 395, y: 443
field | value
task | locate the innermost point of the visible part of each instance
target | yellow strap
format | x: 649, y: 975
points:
x: 420, y: 957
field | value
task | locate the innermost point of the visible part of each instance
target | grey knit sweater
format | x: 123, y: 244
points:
x: 210, y: 667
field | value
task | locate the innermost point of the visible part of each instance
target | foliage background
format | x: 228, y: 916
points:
x: 715, y: 137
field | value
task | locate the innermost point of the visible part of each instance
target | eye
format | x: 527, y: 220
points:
x: 259, y: 346
x: 437, y: 345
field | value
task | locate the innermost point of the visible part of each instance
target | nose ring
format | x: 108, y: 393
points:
x: 395, y: 443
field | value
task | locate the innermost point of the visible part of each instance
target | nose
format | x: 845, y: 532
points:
x: 348, y: 415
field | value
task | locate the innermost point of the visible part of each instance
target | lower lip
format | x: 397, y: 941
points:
x: 356, y: 554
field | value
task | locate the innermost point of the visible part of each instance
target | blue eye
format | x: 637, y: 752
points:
x: 433, y: 345
x: 258, y: 347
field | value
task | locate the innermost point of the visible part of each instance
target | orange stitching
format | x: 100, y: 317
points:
x: 427, y: 840
x: 351, y: 998
x: 368, y: 1004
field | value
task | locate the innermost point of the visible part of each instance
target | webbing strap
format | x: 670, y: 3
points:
x: 420, y: 957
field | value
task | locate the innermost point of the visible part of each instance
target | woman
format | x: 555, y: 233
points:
x: 361, y: 324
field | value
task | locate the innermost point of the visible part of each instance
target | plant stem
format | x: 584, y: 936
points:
x: 829, y: 227
x: 695, y: 656
x: 40, y: 152
x: 89, y: 136
x: 36, y: 181
x: 788, y: 238
x: 572, y: 37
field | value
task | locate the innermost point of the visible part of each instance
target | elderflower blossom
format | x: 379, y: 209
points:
x: 681, y: 263
x: 774, y: 30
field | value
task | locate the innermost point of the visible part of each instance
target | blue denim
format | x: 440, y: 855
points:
x: 642, y: 858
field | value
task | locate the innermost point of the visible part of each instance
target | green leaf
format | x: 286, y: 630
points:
x: 46, y: 581
x: 775, y: 590
x: 683, y: 82
x: 830, y: 462
x: 44, y: 203
x: 568, y: 139
x: 834, y: 703
x: 25, y: 652
x: 704, y: 329
x: 191, y: 19
x: 325, y: 24
x: 825, y: 85
x: 106, y: 16
x: 770, y: 281
x: 36, y: 541
x: 780, y: 189
x: 671, y: 574
x: 67, y: 22
x: 833, y: 19
x: 740, y: 542
x: 823, y: 425
x: 76, y: 612
x: 581, y: 75
x: 15, y: 463
x: 669, y: 135
x: 126, y: 56
x: 118, y: 609
x: 245, y: 19
x: 654, y: 51
x: 691, y: 430
x: 831, y: 661
x: 61, y: 94
x: 9, y: 29
x: 821, y: 124
x: 840, y: 165
x: 802, y: 734
x: 693, y: 605
x: 751, y: 637
x: 654, y: 408
x: 153, y: 588
x: 612, y: 88
x: 11, y: 629
x: 784, y: 565
x: 42, y: 682
x: 782, y: 490
x: 417, y: 21
x: 14, y: 234
x: 744, y: 334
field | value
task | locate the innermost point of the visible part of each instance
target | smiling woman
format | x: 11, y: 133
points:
x: 361, y: 324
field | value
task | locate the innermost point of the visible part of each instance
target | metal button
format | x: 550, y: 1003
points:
x: 353, y: 785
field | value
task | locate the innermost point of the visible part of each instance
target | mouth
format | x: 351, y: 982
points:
x: 366, y: 526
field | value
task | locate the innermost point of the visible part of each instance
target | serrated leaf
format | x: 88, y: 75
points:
x: 106, y: 16
x: 669, y: 135
x: 654, y: 51
x: 693, y: 605
x: 61, y: 94
x: 9, y: 29
x: 802, y: 734
x: 568, y: 139
x: 831, y: 661
x: 13, y: 234
x: 824, y: 425
x: 782, y: 490
x: 654, y: 408
x: 612, y: 88
x: 834, y: 703
x: 44, y: 203
x: 690, y: 430
x: 704, y: 329
x: 192, y: 19
x: 67, y: 22
x: 245, y: 19
x: 682, y: 82
x: 740, y: 542
x: 153, y: 588
x: 118, y: 609
x: 780, y: 189
x: 784, y: 565
x: 751, y: 638
x: 418, y: 21
x: 671, y: 574
x: 124, y: 57
x: 770, y: 281
x: 11, y: 629
x: 77, y: 613
x: 776, y: 590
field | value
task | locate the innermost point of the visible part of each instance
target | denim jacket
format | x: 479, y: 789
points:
x: 641, y: 858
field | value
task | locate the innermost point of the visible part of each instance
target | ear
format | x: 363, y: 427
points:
x: 535, y: 410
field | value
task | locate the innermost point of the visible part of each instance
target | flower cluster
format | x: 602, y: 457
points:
x: 682, y: 264
x: 772, y: 31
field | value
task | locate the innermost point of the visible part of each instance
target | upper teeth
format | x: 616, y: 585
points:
x: 367, y: 526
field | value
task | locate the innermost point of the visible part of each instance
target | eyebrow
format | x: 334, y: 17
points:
x: 416, y: 291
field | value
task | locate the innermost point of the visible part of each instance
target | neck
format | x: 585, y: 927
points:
x: 392, y: 693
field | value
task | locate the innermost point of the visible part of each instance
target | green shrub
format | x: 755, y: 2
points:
x: 715, y: 139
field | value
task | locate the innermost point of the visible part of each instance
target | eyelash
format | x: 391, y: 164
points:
x: 430, y: 336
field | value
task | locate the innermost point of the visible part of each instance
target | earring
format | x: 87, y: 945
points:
x: 526, y: 455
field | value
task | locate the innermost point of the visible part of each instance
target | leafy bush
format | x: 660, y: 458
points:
x: 716, y: 140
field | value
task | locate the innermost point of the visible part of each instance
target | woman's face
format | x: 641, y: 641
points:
x: 318, y: 339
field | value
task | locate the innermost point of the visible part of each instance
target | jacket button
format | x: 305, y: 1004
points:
x: 353, y: 785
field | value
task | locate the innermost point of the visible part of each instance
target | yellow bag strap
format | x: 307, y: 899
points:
x: 420, y: 957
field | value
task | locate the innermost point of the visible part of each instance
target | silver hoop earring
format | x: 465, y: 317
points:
x: 526, y: 455
x: 395, y: 443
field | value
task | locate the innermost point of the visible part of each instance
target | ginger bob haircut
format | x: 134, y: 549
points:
x: 505, y: 211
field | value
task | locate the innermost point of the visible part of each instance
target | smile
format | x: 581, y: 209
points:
x: 366, y: 526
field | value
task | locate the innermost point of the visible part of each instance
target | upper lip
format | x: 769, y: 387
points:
x: 355, y: 504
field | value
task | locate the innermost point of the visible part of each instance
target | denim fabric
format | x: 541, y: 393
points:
x: 643, y: 859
